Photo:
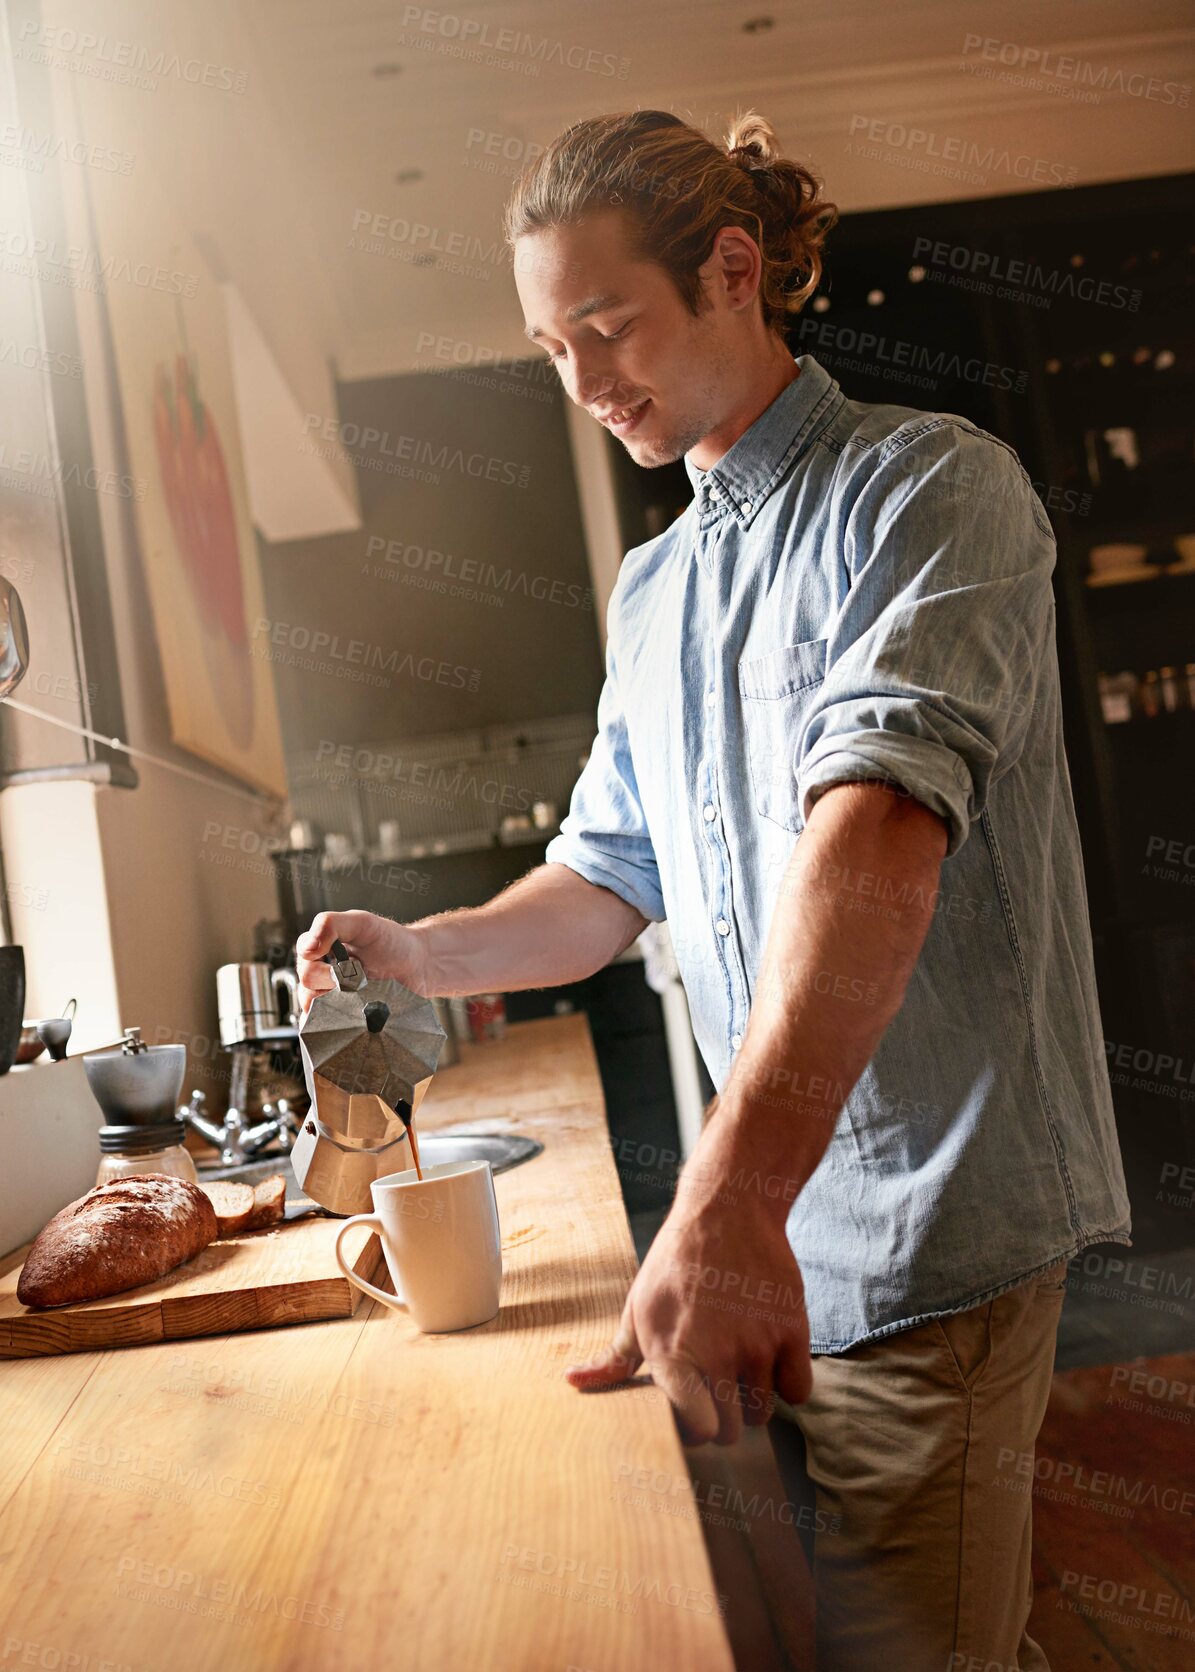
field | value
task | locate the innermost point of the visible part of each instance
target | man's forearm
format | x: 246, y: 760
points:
x: 834, y: 974
x: 548, y: 928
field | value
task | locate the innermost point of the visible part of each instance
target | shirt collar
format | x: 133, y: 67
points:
x: 748, y: 471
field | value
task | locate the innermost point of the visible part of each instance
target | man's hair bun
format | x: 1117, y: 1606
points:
x: 751, y: 136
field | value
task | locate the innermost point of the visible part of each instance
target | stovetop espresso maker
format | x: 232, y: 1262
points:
x: 370, y: 1049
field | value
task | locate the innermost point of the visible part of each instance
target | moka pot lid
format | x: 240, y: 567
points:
x: 369, y: 1036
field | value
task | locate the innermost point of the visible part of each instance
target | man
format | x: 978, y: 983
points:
x: 829, y: 753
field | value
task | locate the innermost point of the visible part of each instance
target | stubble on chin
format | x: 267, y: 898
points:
x: 660, y: 451
x: 651, y: 458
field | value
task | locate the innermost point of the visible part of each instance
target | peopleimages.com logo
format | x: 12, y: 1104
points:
x: 77, y: 267
x: 320, y: 651
x: 106, y: 58
x: 1038, y: 67
x: 876, y: 352
x: 479, y: 42
x: 378, y: 447
x: 927, y: 151
x: 1021, y: 276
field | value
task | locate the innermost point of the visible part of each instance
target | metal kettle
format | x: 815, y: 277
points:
x: 370, y: 1049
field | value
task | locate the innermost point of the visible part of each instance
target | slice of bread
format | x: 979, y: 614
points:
x: 233, y: 1204
x: 269, y: 1202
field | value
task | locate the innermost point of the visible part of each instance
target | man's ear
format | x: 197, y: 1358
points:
x: 734, y: 268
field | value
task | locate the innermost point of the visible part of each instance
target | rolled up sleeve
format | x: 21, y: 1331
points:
x: 604, y: 836
x: 935, y: 658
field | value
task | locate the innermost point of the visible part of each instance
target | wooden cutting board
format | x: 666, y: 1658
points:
x: 286, y: 1275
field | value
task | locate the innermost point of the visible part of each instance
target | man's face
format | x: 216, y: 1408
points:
x: 658, y: 377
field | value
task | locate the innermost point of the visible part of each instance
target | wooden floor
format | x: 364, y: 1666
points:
x: 1117, y: 1589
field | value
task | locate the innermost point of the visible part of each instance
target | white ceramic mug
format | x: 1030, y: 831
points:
x: 442, y: 1244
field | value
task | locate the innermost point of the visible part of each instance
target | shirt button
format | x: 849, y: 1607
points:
x: 745, y: 507
x: 715, y: 493
x: 709, y: 813
x: 722, y: 926
x: 736, y: 1039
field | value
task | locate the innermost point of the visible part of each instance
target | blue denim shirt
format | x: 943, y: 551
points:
x: 863, y: 592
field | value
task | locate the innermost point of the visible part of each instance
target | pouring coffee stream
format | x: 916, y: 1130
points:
x: 370, y: 1048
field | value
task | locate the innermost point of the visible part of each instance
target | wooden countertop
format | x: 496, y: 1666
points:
x: 354, y: 1494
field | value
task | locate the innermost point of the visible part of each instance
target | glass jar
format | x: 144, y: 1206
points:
x: 125, y: 1151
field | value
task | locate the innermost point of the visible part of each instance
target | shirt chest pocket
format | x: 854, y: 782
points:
x: 777, y: 691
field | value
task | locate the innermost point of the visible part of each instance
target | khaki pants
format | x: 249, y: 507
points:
x: 910, y: 1445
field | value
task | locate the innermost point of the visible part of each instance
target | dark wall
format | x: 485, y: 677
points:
x: 465, y: 600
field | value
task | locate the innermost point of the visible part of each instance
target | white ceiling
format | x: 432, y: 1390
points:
x: 356, y: 101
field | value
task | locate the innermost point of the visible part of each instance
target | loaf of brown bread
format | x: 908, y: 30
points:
x: 118, y: 1236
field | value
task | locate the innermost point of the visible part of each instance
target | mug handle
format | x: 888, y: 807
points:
x: 366, y: 1288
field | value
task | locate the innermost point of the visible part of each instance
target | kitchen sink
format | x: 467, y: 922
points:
x: 435, y: 1148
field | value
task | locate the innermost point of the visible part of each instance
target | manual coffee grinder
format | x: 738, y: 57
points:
x: 369, y: 1051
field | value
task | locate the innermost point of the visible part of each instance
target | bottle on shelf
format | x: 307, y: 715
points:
x: 1118, y: 693
x: 1124, y: 696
